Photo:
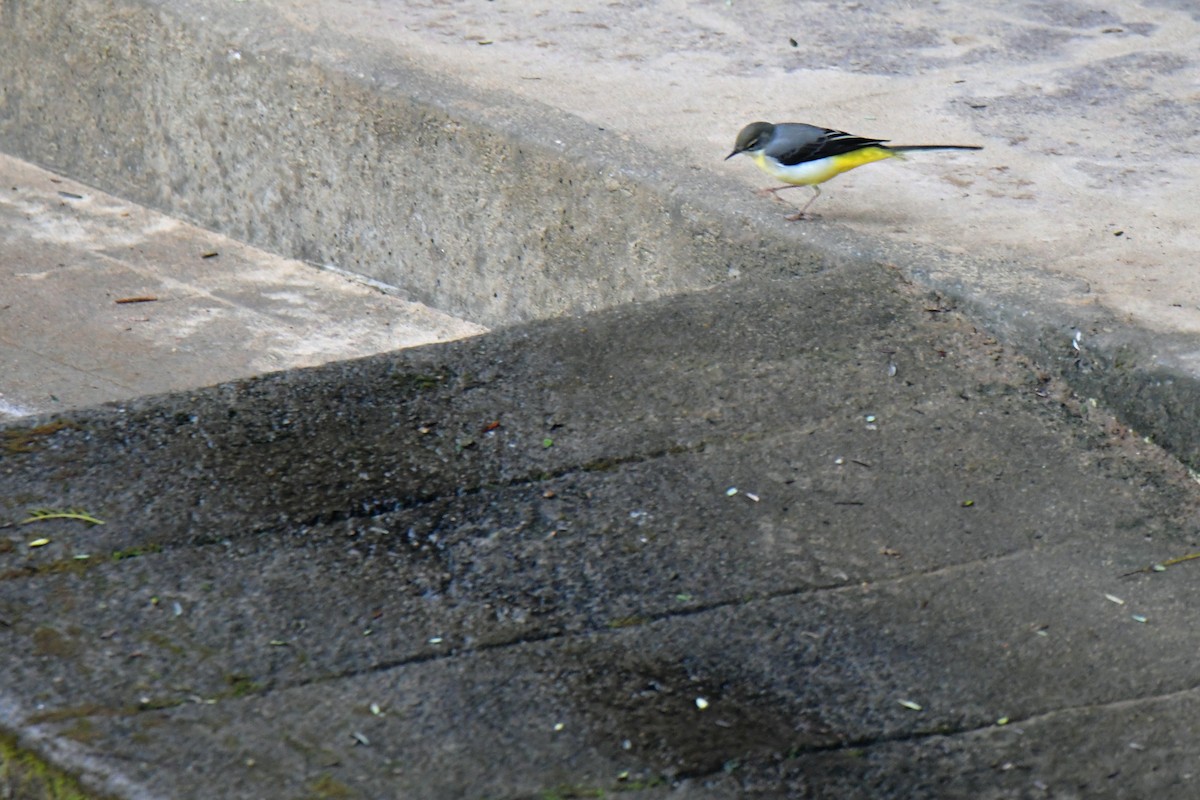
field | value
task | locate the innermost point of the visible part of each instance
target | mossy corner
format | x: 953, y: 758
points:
x: 26, y: 776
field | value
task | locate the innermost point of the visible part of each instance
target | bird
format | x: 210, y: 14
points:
x: 805, y: 155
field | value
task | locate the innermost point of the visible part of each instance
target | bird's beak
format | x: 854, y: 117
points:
x: 731, y: 155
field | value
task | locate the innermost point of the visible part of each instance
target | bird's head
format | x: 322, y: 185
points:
x: 753, y: 137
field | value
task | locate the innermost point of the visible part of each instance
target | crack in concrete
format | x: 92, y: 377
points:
x: 920, y: 735
x: 394, y: 505
x: 547, y: 635
x: 641, y: 620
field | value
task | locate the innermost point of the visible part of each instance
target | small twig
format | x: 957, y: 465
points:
x: 145, y: 298
x: 1160, y: 566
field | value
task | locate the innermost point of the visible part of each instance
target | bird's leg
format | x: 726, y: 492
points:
x: 773, y: 192
x: 799, y: 215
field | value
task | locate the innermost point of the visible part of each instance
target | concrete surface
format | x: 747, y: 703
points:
x: 510, y: 566
x: 528, y: 160
x: 211, y: 309
x: 1088, y: 111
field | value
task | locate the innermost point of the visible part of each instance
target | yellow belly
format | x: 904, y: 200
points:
x: 813, y: 172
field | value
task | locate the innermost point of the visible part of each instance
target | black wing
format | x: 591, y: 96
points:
x: 794, y: 143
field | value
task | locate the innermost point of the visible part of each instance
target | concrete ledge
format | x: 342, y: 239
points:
x: 206, y: 308
x: 329, y: 150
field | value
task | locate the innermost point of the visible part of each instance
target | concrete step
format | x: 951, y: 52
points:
x: 506, y: 167
x: 512, y: 566
x: 104, y: 300
x: 723, y: 506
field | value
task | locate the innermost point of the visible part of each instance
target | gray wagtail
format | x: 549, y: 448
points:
x: 805, y: 155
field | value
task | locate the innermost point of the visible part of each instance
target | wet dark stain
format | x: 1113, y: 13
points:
x: 653, y: 710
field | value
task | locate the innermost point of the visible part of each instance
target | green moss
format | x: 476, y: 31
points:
x: 72, y: 566
x: 638, y: 785
x: 571, y: 792
x: 24, y: 775
x: 28, y: 440
x: 242, y: 685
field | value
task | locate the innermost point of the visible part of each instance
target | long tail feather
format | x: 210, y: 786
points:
x: 901, y: 148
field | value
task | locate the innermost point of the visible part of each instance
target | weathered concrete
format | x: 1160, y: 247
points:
x: 396, y: 146
x: 491, y: 211
x: 205, y: 308
x: 511, y: 566
x: 400, y: 576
